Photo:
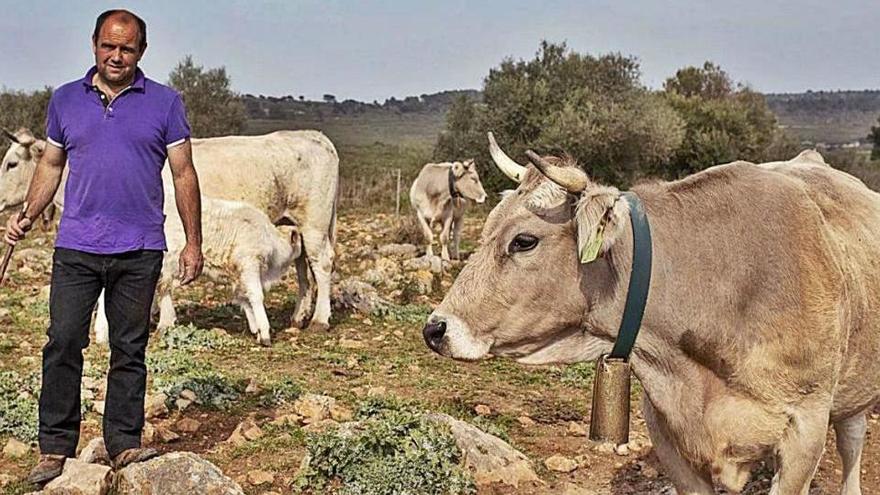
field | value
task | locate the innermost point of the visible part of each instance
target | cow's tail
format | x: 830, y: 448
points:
x: 331, y: 231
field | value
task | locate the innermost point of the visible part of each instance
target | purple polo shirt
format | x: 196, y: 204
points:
x: 113, y: 197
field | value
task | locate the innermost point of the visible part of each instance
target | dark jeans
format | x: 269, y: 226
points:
x: 129, y: 280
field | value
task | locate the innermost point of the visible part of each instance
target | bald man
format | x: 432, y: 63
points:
x: 114, y: 129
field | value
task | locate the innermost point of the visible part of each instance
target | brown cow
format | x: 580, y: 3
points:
x: 761, y: 325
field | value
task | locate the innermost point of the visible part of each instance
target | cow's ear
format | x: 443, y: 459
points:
x: 469, y: 164
x: 37, y: 149
x: 600, y: 216
x: 457, y: 168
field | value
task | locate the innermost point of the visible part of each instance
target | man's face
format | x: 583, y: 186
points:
x: 117, y: 50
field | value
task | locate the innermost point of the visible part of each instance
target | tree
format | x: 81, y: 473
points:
x: 212, y: 108
x: 593, y: 108
x: 23, y: 109
x: 723, y: 122
x: 874, y: 137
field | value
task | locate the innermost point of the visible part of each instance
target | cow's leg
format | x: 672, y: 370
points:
x: 167, y: 315
x: 457, y: 224
x: 688, y: 480
x: 799, y: 451
x: 444, y: 237
x: 426, y: 232
x: 252, y: 287
x: 102, y: 327
x: 302, y: 313
x: 850, y: 440
x: 47, y: 216
x: 319, y: 250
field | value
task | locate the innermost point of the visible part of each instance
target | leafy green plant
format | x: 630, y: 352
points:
x: 281, y: 392
x: 393, y: 450
x: 175, y: 371
x: 579, y: 374
x: 18, y: 405
x: 191, y: 338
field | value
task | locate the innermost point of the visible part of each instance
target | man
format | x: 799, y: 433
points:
x: 114, y: 128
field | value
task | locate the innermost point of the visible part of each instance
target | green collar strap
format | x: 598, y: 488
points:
x: 639, y: 280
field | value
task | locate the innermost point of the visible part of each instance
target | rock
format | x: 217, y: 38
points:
x: 313, y: 407
x: 377, y: 391
x: 287, y: 419
x: 177, y: 472
x: 525, y: 421
x: 482, y: 410
x: 351, y: 343
x: 44, y: 292
x: 260, y: 477
x: 246, y: 431
x: 95, y: 453
x: 319, y: 426
x: 490, y: 459
x: 188, y: 394
x: 154, y: 406
x: 165, y: 435
x: 420, y: 281
x: 353, y: 294
x: 572, y: 489
x: 433, y: 264
x: 560, y: 464
x: 188, y: 425
x: 90, y: 383
x: 402, y: 250
x: 253, y: 388
x: 605, y: 448
x: 80, y: 478
x: 576, y: 429
x: 340, y: 413
x: 181, y: 404
x: 622, y: 449
x: 15, y: 449
x: 148, y: 435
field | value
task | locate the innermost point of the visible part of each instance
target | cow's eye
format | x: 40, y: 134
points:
x: 523, y: 242
x: 11, y: 165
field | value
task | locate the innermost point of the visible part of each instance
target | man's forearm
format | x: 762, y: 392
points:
x: 43, y: 187
x: 189, y: 205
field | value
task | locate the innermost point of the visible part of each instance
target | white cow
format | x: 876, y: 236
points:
x: 240, y: 245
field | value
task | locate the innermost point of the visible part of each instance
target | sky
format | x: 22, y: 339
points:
x: 371, y: 50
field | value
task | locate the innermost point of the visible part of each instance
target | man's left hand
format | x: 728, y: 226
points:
x: 191, y: 261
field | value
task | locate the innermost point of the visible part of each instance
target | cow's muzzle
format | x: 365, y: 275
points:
x: 434, y: 332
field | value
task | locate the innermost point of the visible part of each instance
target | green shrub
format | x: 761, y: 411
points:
x: 281, y: 392
x: 579, y: 374
x: 392, y: 451
x: 175, y: 371
x: 18, y: 405
x: 191, y: 338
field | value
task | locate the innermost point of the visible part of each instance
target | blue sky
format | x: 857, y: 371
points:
x: 370, y: 50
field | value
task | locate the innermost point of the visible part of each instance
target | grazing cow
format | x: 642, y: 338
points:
x: 762, y: 323
x: 438, y: 196
x: 18, y: 167
x: 240, y: 245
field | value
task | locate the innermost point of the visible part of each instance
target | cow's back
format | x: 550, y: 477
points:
x: 851, y: 212
x: 285, y: 174
x: 430, y: 190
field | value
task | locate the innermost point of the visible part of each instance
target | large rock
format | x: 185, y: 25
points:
x: 95, y: 452
x: 177, y: 472
x: 433, y: 264
x: 15, y: 449
x: 154, y: 406
x: 402, y: 250
x: 353, y: 294
x: 490, y: 459
x: 80, y: 478
x: 314, y: 408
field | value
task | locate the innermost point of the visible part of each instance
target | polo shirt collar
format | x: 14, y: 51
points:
x: 138, y: 84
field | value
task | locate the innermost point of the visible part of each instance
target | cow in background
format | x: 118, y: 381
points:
x: 439, y: 196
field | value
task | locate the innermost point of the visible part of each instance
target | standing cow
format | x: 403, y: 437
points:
x: 762, y: 323
x: 17, y: 168
x: 438, y: 196
x: 292, y: 177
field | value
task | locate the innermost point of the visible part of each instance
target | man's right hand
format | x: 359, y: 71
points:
x: 16, y: 229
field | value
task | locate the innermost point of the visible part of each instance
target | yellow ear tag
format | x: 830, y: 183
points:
x: 590, y: 251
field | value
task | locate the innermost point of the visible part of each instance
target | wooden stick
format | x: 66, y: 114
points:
x: 10, y: 247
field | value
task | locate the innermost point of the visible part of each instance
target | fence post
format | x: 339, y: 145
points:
x: 397, y: 198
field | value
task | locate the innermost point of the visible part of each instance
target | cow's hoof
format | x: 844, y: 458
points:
x: 317, y: 326
x: 267, y: 342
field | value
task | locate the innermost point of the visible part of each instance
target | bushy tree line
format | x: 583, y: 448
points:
x: 213, y: 109
x: 597, y: 110
x: 24, y: 109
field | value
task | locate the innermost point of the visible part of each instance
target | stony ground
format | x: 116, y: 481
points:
x: 542, y: 411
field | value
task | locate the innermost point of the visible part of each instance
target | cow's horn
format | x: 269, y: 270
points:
x: 11, y: 136
x: 572, y: 179
x: 510, y: 168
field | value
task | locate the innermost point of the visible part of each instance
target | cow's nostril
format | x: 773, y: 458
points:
x: 434, y: 333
